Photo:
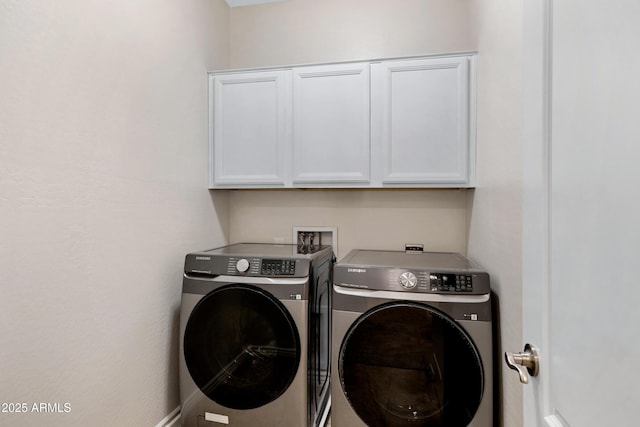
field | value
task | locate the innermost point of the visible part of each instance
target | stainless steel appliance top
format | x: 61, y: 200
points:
x: 263, y: 250
x: 399, y: 259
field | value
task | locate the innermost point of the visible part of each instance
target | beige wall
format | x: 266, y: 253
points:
x: 103, y: 129
x: 495, y: 207
x: 365, y: 219
x: 307, y: 31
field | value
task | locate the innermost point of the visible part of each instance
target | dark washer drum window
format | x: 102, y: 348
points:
x: 407, y: 364
x: 241, y: 346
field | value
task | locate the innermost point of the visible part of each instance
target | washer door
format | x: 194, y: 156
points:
x: 241, y: 346
x: 407, y: 364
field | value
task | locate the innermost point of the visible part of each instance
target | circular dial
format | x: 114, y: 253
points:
x: 242, y: 265
x: 408, y: 280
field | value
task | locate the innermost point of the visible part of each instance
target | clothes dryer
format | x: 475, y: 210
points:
x: 254, y: 336
x: 412, y: 341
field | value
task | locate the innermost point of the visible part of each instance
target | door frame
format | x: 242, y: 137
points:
x: 536, y: 263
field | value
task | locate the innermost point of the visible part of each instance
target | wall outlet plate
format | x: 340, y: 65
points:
x: 326, y: 235
x: 414, y: 248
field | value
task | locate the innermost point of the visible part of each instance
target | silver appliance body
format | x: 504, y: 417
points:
x: 255, y: 336
x: 412, y: 341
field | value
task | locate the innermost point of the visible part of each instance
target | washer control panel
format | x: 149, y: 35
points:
x: 255, y: 260
x: 261, y: 267
x: 250, y: 266
x: 278, y: 267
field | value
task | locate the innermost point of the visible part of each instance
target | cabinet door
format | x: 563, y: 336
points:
x: 420, y: 117
x: 250, y: 131
x: 331, y: 124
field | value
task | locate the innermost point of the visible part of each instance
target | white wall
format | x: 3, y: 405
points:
x: 308, y: 31
x: 103, y: 135
x: 495, y: 207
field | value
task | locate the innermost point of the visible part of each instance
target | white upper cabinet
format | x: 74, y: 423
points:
x: 390, y: 123
x: 331, y: 124
x: 250, y: 132
x: 422, y: 121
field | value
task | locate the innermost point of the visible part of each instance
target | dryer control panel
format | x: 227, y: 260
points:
x: 405, y: 280
x: 204, y: 265
x: 443, y: 282
x: 427, y: 272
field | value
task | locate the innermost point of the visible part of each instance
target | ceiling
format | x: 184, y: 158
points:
x: 238, y: 3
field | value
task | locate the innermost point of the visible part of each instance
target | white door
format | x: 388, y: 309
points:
x: 581, y: 265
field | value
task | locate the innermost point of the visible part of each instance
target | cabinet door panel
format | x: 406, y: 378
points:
x: 250, y: 128
x: 420, y: 111
x: 331, y: 124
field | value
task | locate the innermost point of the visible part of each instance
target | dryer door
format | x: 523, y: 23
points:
x: 241, y: 346
x: 408, y: 364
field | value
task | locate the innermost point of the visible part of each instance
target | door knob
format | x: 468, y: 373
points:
x: 527, y: 359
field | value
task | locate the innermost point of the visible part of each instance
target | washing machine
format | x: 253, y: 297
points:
x: 412, y: 341
x: 255, y: 324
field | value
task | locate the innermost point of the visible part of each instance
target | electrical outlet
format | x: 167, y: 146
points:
x: 308, y: 236
x: 414, y: 248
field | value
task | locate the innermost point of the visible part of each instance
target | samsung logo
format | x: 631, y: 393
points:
x: 203, y: 258
x: 356, y: 270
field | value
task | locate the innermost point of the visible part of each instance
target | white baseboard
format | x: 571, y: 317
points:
x: 171, y: 420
